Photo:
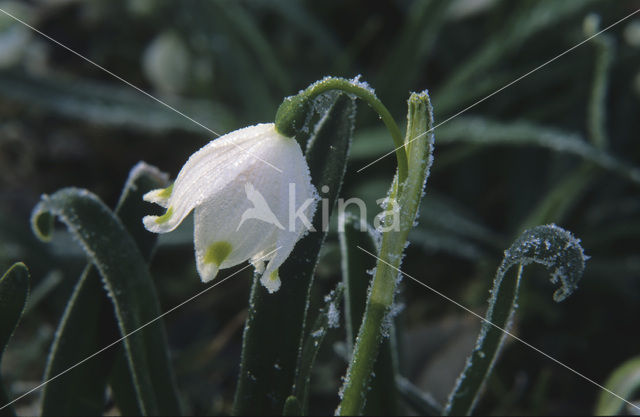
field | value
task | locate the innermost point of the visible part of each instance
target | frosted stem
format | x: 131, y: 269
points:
x: 292, y: 112
x: 420, y: 146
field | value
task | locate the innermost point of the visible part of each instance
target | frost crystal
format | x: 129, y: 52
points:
x: 553, y: 247
x: 362, y: 84
x: 333, y: 316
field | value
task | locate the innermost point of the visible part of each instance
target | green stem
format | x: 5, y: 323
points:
x: 548, y: 245
x: 292, y: 112
x: 420, y: 144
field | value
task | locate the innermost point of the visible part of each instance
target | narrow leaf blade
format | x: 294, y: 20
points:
x: 328, y: 318
x: 14, y: 290
x: 423, y: 403
x: 548, y: 245
x: 126, y: 277
x: 485, y: 132
x: 88, y: 323
x: 275, y: 326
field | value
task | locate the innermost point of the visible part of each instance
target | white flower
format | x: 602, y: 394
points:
x: 252, y: 195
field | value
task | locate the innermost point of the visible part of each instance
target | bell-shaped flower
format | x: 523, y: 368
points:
x: 253, y: 200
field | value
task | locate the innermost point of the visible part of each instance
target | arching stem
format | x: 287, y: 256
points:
x: 292, y: 112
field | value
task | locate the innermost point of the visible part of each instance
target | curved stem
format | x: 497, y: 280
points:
x: 291, y: 113
x: 383, y: 287
x: 548, y: 245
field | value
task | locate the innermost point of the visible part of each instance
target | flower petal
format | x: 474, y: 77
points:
x: 217, y: 221
x: 243, y: 210
x: 299, y: 191
x: 248, y: 213
x: 271, y: 282
x: 159, y: 196
x: 209, y: 170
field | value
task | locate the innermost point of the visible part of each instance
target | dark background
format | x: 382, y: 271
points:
x: 228, y: 64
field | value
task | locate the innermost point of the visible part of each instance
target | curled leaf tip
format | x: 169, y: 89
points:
x: 42, y: 220
x: 555, y: 248
x: 143, y: 168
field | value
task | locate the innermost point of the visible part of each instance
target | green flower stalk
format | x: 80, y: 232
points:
x: 293, y: 111
x: 414, y: 156
x: 407, y: 193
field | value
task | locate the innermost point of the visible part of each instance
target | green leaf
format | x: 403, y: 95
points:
x: 444, y: 214
x: 109, y: 104
x: 328, y: 318
x: 423, y: 403
x: 86, y: 327
x: 14, y: 290
x: 355, y: 264
x: 237, y: 62
x: 408, y: 56
x: 122, y: 386
x: 275, y: 327
x: 558, y: 202
x: 529, y: 19
x: 548, y: 245
x: 82, y: 390
x: 381, y: 399
x: 126, y: 277
x: 446, y: 227
x: 246, y: 28
x: 566, y: 192
x: 486, y: 132
x: 596, y: 116
x: 297, y: 16
x: 624, y: 381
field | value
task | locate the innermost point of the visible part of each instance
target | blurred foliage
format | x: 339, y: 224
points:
x: 228, y: 64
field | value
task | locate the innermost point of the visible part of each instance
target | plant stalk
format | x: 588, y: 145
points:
x: 292, y: 112
x: 419, y: 145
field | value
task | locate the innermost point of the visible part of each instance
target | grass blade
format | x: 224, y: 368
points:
x: 486, y: 132
x: 275, y: 327
x: 549, y: 245
x: 82, y: 390
x: 86, y: 327
x: 423, y: 403
x: 328, y: 318
x: 559, y: 201
x: 109, y: 105
x: 408, y: 56
x: 530, y: 19
x: 14, y: 290
x: 596, y: 121
x: 246, y: 28
x: 126, y: 277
